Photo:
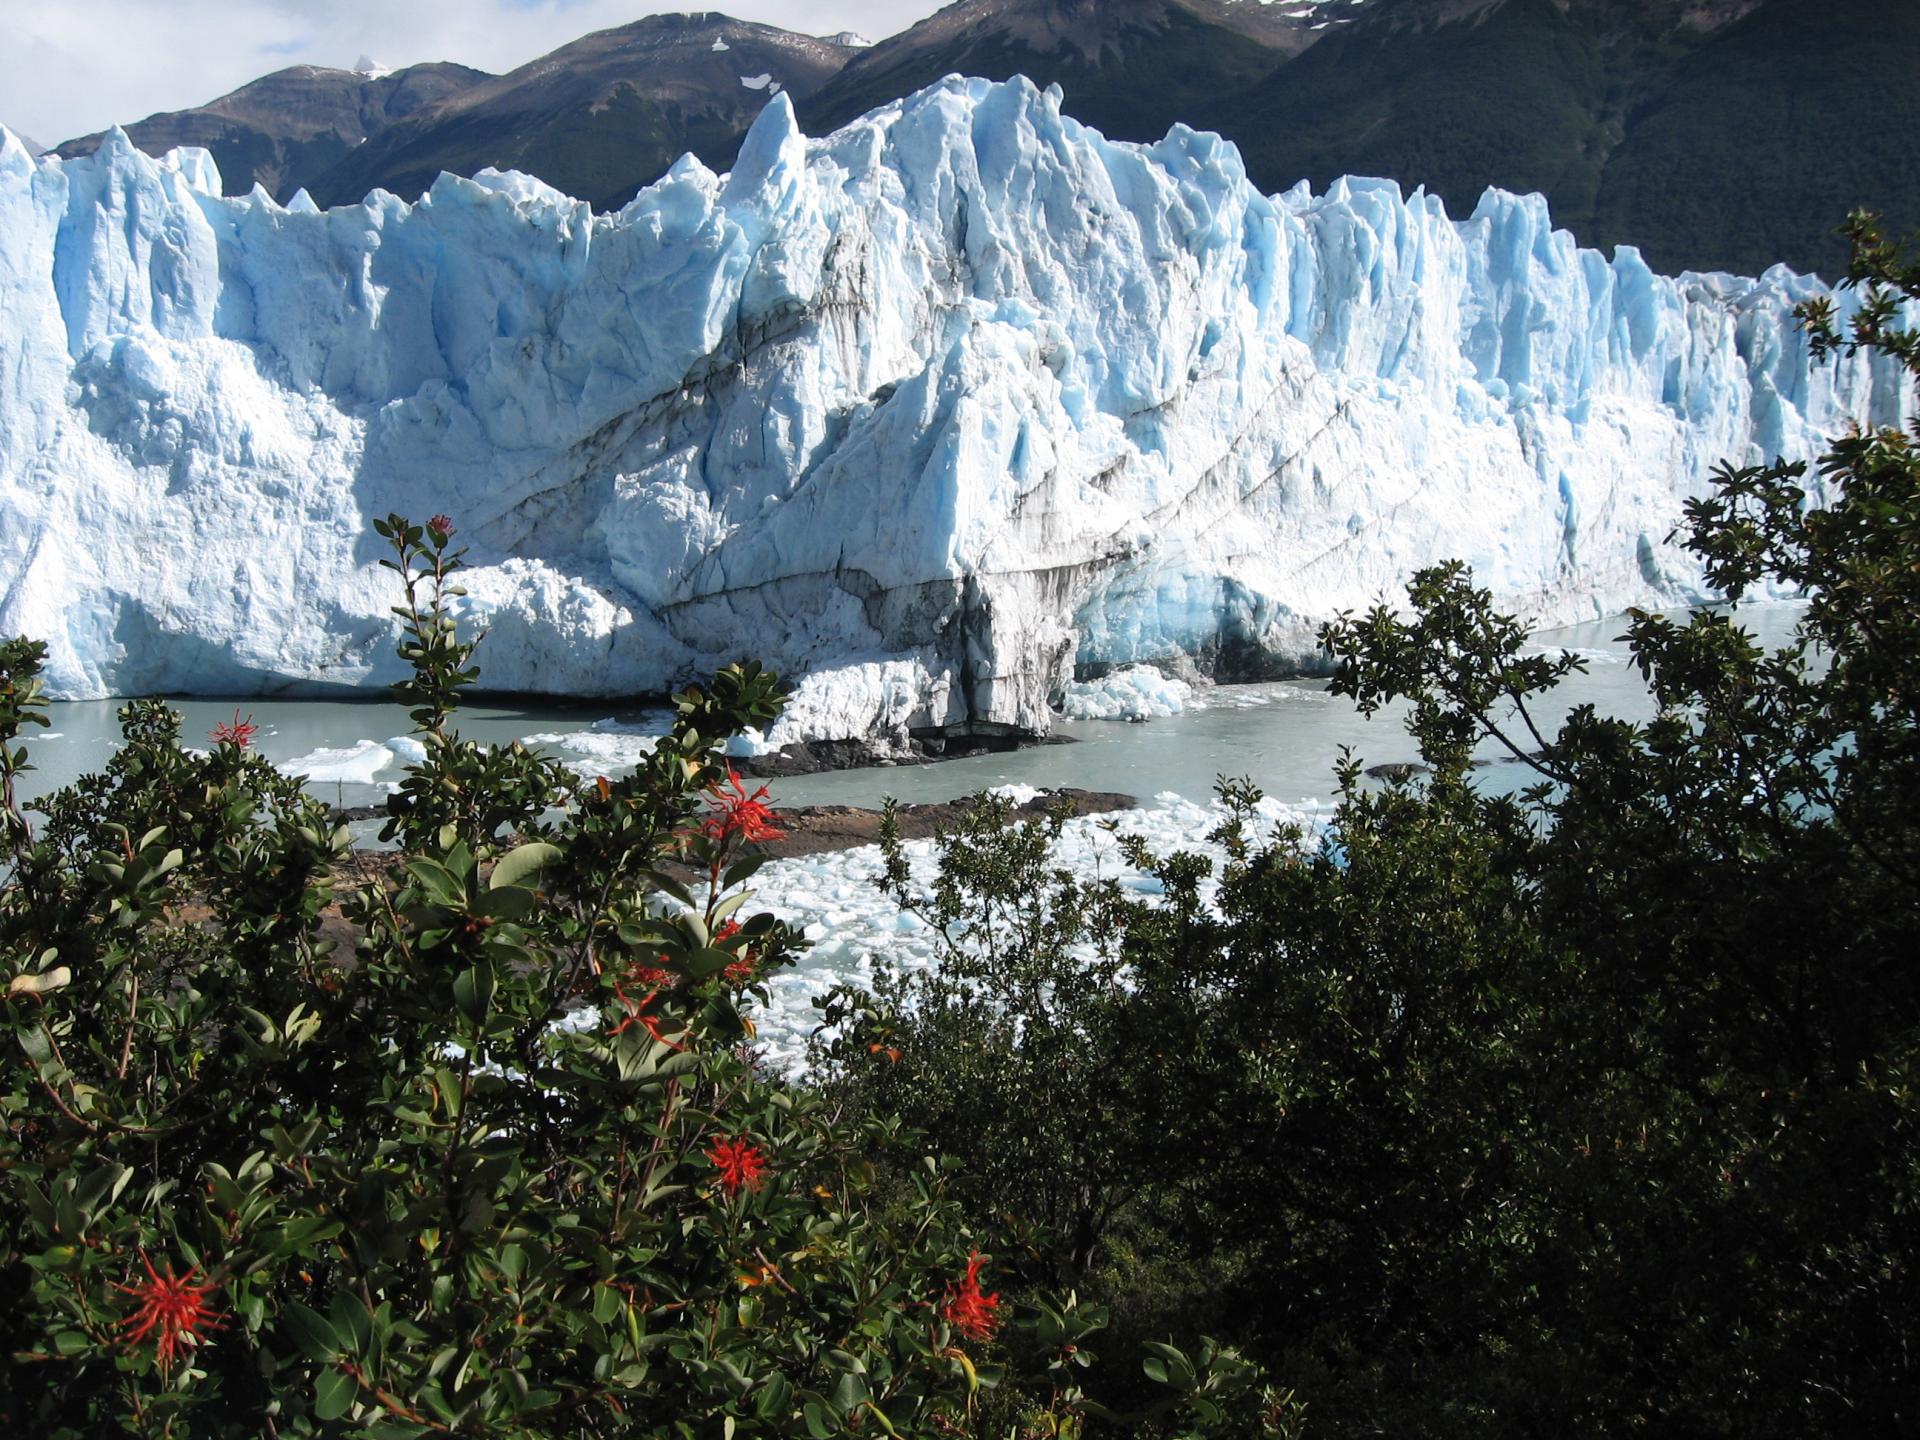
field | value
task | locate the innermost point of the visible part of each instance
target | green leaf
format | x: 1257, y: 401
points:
x: 104, y: 1183
x: 351, y: 1322
x: 742, y: 871
x: 850, y: 1392
x: 448, y: 1085
x: 1168, y: 1365
x: 304, y: 1233
x: 44, y: 983
x: 312, y: 1332
x: 517, y: 866
x: 703, y: 964
x: 36, y: 1201
x: 439, y: 882
x: 515, y: 902
x: 473, y: 991
x: 668, y: 885
x: 775, y: 1398
x: 334, y: 1392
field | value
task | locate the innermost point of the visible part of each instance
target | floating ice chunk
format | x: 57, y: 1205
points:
x: 874, y: 698
x: 358, y: 764
x: 1018, y: 794
x: 596, y: 752
x: 1134, y: 692
x: 748, y: 743
x: 408, y: 749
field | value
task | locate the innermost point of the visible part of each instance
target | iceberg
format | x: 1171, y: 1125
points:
x: 925, y: 414
x: 1133, y: 692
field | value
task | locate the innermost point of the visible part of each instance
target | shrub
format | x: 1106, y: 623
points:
x: 1585, y: 1110
x: 505, y: 1165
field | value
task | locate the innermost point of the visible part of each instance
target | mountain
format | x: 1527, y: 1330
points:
x: 285, y: 130
x: 1712, y: 134
x: 1723, y: 135
x: 1130, y: 68
x: 1808, y: 109
x: 927, y: 415
x: 604, y: 115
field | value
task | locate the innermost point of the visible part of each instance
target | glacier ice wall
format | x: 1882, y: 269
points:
x: 926, y: 411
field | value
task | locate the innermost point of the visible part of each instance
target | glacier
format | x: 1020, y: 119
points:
x: 925, y: 414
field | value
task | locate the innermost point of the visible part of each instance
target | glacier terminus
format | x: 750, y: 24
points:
x: 927, y: 414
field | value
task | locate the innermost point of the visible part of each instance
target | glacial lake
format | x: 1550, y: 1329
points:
x: 1284, y: 735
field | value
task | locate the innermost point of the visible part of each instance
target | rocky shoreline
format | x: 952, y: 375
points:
x: 817, y: 829
x: 816, y: 757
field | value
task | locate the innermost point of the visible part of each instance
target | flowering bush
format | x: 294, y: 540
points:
x: 500, y: 1163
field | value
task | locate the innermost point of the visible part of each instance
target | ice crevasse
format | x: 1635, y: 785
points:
x: 925, y: 413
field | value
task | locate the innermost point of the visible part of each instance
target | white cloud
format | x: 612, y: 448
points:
x: 70, y: 67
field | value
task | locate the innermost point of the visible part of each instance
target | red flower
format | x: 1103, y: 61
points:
x: 654, y: 977
x: 748, y: 816
x: 640, y: 1012
x: 740, y: 1164
x: 742, y: 970
x: 441, y: 528
x: 974, y: 1315
x: 171, y: 1311
x: 239, y: 732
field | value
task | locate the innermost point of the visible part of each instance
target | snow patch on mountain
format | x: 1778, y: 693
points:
x: 923, y: 414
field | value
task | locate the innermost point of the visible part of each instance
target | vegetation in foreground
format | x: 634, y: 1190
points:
x: 1590, y: 1109
x: 509, y: 1168
x: 1585, y: 1111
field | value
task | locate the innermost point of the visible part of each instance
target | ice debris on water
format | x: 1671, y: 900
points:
x: 358, y: 764
x: 832, y: 897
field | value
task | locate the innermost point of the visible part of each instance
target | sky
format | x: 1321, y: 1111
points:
x: 71, y: 67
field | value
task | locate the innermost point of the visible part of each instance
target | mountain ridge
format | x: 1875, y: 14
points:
x: 602, y: 115
x: 1601, y: 105
x: 1094, y: 49
x: 286, y: 129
